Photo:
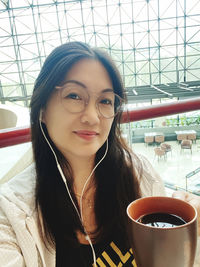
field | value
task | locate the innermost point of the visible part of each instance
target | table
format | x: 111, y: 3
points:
x: 150, y: 137
x: 153, y: 134
x: 184, y: 134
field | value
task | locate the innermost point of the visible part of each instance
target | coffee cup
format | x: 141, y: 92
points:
x: 159, y: 240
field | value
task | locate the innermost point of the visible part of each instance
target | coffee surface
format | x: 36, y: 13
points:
x: 162, y: 220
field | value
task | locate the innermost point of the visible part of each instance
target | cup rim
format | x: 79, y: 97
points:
x: 161, y: 228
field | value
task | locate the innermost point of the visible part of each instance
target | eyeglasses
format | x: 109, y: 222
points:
x: 75, y: 98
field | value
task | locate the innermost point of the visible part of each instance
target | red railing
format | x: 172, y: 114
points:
x: 145, y: 113
x: 13, y: 136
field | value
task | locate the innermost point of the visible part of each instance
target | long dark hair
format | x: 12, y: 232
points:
x: 117, y: 184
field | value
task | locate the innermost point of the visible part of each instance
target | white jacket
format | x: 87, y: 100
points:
x: 20, y: 241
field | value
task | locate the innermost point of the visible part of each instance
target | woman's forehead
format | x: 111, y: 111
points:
x: 91, y: 74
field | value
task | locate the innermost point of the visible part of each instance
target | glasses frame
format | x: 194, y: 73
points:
x: 121, y: 102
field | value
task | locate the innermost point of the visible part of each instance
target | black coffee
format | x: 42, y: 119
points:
x: 162, y: 220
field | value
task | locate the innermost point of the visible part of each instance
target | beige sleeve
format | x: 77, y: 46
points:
x: 22, y: 163
x: 197, y: 259
x: 10, y: 253
x: 151, y: 183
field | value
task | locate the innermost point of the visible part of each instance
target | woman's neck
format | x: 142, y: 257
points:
x: 82, y: 168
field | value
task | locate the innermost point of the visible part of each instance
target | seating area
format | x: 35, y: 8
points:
x: 149, y: 140
x: 159, y: 139
x: 192, y: 137
x: 162, y: 150
x: 185, y: 138
x: 186, y: 144
x: 186, y: 135
x: 174, y: 164
x: 160, y: 153
x: 181, y: 137
x: 166, y: 147
x: 170, y: 133
x: 154, y: 138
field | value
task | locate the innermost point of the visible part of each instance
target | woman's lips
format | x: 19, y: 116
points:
x: 87, y: 135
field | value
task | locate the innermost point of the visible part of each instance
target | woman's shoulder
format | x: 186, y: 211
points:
x: 142, y: 166
x: 150, y: 181
x: 20, y: 190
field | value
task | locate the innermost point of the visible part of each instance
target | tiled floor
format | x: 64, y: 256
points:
x: 173, y: 169
x: 177, y: 164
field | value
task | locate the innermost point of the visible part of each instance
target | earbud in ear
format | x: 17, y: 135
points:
x: 40, y: 116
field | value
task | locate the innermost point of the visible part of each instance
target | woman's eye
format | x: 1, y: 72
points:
x: 106, y: 101
x: 73, y: 96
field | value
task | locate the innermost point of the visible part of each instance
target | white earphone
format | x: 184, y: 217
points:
x: 40, y: 115
x: 80, y: 215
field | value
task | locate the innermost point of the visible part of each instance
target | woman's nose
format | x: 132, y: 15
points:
x: 90, y: 114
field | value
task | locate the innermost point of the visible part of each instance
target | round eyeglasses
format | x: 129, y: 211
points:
x: 75, y: 98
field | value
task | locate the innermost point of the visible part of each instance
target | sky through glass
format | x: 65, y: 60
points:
x: 154, y: 43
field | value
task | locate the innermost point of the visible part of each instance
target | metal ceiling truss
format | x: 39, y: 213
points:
x: 170, y: 90
x: 154, y: 43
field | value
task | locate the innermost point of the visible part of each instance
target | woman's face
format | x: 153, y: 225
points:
x: 79, y: 134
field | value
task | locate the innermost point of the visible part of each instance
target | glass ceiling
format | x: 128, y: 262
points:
x: 155, y: 43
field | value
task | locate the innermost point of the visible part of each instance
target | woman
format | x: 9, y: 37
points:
x: 69, y: 208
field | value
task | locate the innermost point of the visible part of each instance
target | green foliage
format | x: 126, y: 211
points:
x: 170, y: 122
x: 197, y: 121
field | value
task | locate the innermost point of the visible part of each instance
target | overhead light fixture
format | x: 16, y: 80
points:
x: 162, y: 91
x: 183, y: 84
x: 135, y: 92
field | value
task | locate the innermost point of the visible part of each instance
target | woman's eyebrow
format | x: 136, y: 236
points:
x: 84, y: 86
x: 107, y: 90
x: 76, y: 82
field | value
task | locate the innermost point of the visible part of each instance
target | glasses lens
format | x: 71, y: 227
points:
x: 73, y: 98
x: 109, y: 104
